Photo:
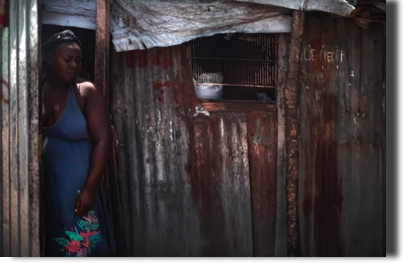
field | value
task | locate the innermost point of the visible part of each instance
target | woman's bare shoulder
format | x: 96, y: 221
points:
x: 86, y: 87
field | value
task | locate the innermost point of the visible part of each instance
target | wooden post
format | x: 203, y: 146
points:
x: 102, y: 81
x: 292, y: 131
x: 102, y: 46
x: 282, y: 55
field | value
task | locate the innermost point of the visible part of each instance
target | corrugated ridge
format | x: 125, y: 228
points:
x: 152, y: 155
x: 341, y: 140
x: 20, y: 164
x: 167, y: 210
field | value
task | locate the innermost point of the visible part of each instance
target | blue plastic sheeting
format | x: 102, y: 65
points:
x: 337, y: 7
x: 144, y: 24
x: 141, y: 24
x: 74, y: 13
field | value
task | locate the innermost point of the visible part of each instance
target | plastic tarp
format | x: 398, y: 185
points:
x: 337, y: 7
x: 76, y: 13
x: 140, y: 24
x: 146, y: 24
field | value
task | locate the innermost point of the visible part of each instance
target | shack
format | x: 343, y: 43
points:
x: 241, y: 128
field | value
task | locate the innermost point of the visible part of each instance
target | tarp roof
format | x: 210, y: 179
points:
x: 337, y: 7
x: 76, y: 13
x: 140, y: 24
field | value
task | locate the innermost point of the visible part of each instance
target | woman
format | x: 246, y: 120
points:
x: 77, y: 139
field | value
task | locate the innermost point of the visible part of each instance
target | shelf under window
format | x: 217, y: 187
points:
x: 237, y: 105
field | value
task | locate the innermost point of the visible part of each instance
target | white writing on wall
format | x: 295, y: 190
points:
x: 329, y: 56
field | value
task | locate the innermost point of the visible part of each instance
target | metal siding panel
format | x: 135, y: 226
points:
x: 33, y: 86
x: 341, y: 140
x: 14, y: 175
x: 152, y: 154
x: 159, y: 195
x: 23, y: 123
x: 370, y: 121
x: 5, y: 144
x: 20, y: 131
x: 383, y: 151
x: 350, y: 42
x: 215, y: 162
x: 1, y: 142
x: 262, y: 145
x: 350, y: 156
x: 235, y: 189
x: 352, y: 176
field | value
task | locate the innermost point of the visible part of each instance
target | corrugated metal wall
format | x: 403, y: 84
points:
x: 19, y: 145
x: 221, y: 184
x: 193, y: 186
x: 342, y: 138
x: 159, y: 215
x: 188, y: 183
x: 186, y: 186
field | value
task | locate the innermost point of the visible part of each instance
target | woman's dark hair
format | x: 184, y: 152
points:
x: 66, y: 36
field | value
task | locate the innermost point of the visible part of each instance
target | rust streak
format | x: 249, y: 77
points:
x: 262, y: 147
x: 292, y: 130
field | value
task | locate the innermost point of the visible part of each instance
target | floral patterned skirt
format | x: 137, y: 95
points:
x: 66, y: 165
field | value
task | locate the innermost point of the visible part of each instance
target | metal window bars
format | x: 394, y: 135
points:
x: 243, y: 59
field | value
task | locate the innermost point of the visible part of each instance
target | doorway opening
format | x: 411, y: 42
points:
x: 88, y: 41
x: 87, y: 38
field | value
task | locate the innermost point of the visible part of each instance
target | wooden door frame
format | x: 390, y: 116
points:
x: 101, y: 81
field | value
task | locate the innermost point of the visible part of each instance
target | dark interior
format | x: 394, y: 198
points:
x: 246, y: 61
x: 87, y: 38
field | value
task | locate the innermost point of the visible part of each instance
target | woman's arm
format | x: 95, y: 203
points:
x: 98, y: 123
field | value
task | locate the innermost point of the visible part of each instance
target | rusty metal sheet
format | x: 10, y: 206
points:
x: 341, y: 139
x: 14, y: 173
x: 34, y: 65
x: 152, y: 152
x: 172, y: 207
x: 20, y: 175
x: 23, y: 131
x: 262, y: 145
x: 280, y: 249
x: 221, y: 184
x: 5, y: 99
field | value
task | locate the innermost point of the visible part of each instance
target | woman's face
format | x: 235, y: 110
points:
x: 65, y: 62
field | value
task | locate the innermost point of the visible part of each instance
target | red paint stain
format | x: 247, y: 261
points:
x: 155, y: 60
x: 322, y: 184
x: 4, y: 17
x: 162, y: 58
x: 160, y: 85
x: 322, y: 206
x: 129, y: 56
x: 161, y: 97
x: 176, y: 86
x: 3, y: 82
x: 262, y: 153
x: 206, y: 181
x: 178, y: 93
x: 142, y: 57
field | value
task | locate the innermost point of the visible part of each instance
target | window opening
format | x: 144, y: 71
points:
x: 237, y: 66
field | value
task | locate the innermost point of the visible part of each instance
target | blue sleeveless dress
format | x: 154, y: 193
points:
x: 66, y: 158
